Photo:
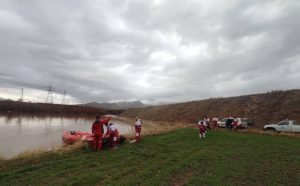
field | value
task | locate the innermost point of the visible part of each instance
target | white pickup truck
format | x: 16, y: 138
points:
x: 284, y: 126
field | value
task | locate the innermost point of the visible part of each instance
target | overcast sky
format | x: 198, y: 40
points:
x: 154, y: 51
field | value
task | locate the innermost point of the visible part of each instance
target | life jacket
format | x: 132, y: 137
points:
x: 235, y: 122
x: 112, y: 130
x: 138, y: 122
x: 215, y: 120
x: 97, y: 127
x: 202, y: 128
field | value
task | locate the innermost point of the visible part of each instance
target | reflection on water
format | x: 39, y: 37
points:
x: 22, y: 133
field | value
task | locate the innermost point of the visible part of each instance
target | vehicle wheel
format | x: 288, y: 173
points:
x: 270, y: 129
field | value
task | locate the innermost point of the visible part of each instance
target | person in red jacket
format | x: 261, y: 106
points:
x: 112, y: 134
x: 235, y: 123
x: 97, y: 130
x: 202, y: 129
x: 138, y: 128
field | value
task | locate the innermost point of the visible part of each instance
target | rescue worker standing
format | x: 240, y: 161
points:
x: 229, y: 123
x: 215, y: 122
x: 202, y: 129
x: 138, y: 128
x: 235, y: 123
x: 206, y: 122
x: 112, y: 134
x: 97, y: 130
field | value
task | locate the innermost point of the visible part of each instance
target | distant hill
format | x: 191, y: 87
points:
x: 117, y: 105
x: 264, y: 108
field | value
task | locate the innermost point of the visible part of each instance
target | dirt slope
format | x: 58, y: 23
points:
x: 265, y: 108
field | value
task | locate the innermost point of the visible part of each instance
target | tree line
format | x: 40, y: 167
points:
x: 9, y: 106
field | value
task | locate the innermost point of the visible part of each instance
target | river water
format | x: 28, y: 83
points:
x: 28, y: 133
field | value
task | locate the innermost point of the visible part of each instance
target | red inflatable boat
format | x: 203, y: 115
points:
x: 70, y: 137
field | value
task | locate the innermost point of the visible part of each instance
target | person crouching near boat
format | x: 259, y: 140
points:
x: 202, y: 129
x: 138, y: 129
x: 112, y: 134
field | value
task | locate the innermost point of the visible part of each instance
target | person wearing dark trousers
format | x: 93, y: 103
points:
x: 206, y: 122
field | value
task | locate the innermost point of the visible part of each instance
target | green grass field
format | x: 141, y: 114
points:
x: 175, y: 158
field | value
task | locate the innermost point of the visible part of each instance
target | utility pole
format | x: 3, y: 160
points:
x: 64, y: 98
x: 49, y: 95
x: 21, y: 98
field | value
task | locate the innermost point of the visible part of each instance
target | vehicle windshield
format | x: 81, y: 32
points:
x: 224, y: 120
x: 283, y: 123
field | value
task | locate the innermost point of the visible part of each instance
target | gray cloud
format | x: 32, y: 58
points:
x: 155, y: 51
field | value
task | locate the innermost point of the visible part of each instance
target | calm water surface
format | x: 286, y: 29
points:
x: 25, y: 133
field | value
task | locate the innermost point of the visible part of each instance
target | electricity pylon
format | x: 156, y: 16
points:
x: 49, y: 95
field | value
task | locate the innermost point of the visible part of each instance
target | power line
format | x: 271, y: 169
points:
x: 49, y: 95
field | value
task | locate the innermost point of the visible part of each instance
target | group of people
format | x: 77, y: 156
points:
x: 112, y: 133
x: 204, y: 125
x: 232, y: 123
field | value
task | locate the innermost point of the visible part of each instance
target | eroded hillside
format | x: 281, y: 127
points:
x: 265, y: 108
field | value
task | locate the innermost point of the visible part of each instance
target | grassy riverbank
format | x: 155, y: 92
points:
x: 174, y: 158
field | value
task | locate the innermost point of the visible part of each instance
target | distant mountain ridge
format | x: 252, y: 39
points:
x: 118, y: 105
